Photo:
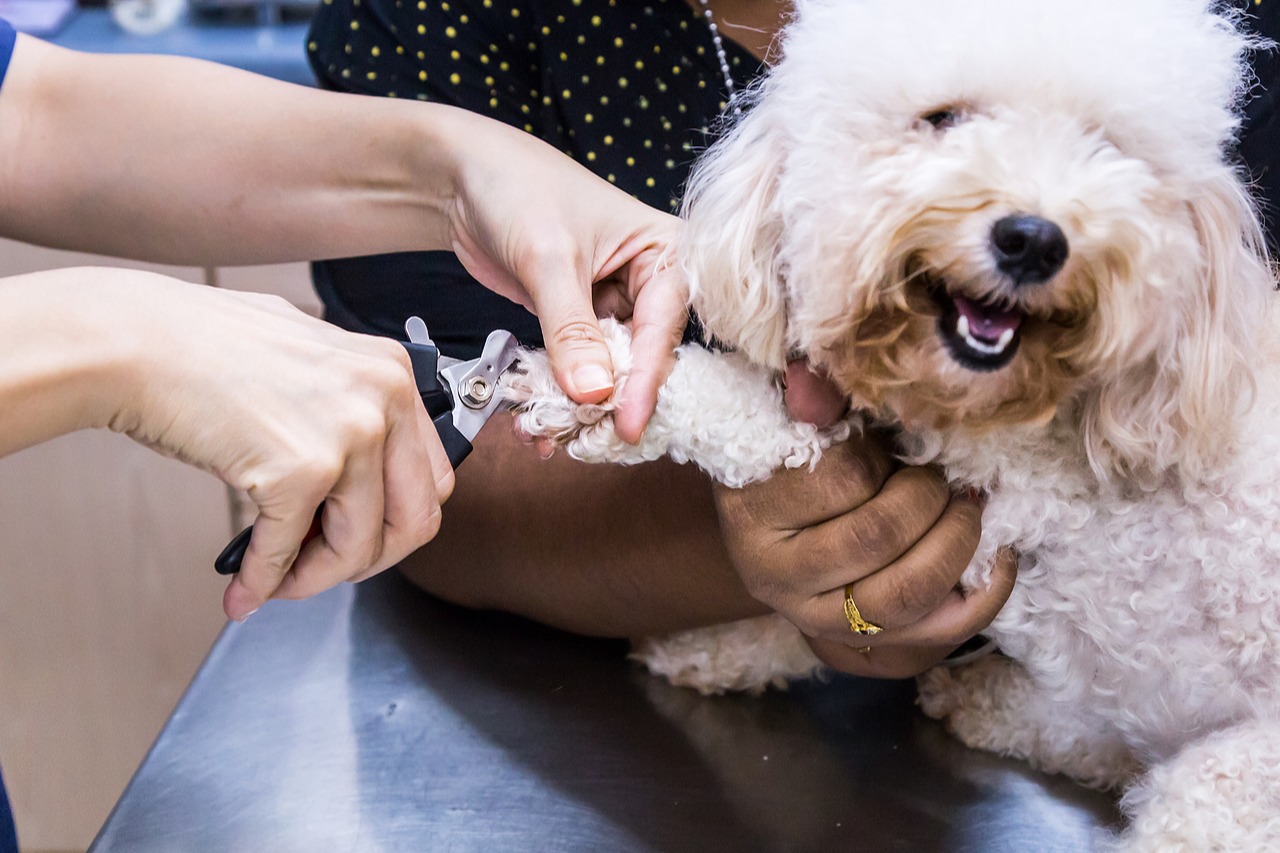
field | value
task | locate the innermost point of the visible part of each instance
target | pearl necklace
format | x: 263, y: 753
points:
x: 729, y: 86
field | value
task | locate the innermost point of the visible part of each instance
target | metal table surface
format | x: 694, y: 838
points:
x: 375, y: 718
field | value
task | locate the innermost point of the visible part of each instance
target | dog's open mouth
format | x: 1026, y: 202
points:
x: 980, y: 336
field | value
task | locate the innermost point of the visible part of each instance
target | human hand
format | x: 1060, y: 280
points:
x: 291, y: 410
x: 534, y: 226
x: 895, y: 536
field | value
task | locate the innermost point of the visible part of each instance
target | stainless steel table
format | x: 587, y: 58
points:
x: 375, y: 718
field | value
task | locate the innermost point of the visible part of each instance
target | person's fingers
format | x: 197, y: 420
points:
x: 419, y: 480
x: 277, y: 537
x: 965, y: 613
x: 657, y: 327
x: 914, y: 584
x: 351, y: 537
x: 658, y: 314
x: 862, y: 542
x: 575, y: 344
x: 811, y: 397
x: 848, y: 476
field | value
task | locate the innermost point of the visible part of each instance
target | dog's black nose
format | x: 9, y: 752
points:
x: 1029, y: 249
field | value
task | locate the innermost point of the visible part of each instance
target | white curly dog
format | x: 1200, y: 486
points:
x: 1012, y: 229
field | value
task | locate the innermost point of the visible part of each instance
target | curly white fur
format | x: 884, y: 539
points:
x: 1129, y: 447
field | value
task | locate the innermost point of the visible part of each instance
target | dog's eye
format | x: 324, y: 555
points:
x: 942, y: 119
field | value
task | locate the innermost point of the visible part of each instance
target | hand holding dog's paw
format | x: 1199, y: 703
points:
x: 895, y: 538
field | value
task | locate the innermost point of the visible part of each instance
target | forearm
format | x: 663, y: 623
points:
x: 64, y: 369
x: 175, y: 160
x: 599, y: 550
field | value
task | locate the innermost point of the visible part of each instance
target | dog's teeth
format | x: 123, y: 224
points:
x: 1005, y: 340
x: 962, y: 327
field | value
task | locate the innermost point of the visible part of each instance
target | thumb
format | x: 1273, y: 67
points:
x: 575, y: 344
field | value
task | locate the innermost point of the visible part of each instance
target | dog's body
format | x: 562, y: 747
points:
x: 1027, y: 251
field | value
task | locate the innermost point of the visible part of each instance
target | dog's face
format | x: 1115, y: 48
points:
x: 970, y: 213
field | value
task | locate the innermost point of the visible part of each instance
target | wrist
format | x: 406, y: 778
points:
x: 74, y: 367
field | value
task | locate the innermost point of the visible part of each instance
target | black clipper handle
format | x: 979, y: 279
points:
x: 439, y: 403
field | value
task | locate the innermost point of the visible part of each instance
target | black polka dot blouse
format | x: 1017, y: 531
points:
x: 632, y: 89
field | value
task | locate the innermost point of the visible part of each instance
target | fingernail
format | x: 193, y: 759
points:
x: 247, y: 615
x: 591, y: 378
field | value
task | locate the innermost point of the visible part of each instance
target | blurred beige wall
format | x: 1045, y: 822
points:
x: 108, y: 598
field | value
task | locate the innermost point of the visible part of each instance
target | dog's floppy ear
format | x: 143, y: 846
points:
x: 1179, y: 408
x: 731, y: 244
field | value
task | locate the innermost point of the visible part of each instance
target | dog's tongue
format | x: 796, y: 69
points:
x: 985, y: 322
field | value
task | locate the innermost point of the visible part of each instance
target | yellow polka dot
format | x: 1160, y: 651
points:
x: 455, y: 78
x: 604, y: 100
x: 566, y: 94
x: 502, y: 66
x: 376, y: 51
x: 524, y: 108
x: 346, y: 72
x: 488, y: 4
x: 639, y: 65
x: 450, y: 32
x: 346, y: 48
x: 546, y: 100
x: 355, y: 25
x: 563, y: 56
x: 422, y: 75
x: 455, y: 55
x: 515, y: 13
x: 493, y: 102
x: 617, y: 41
x: 391, y: 94
x: 422, y: 4
x: 484, y: 59
x: 650, y: 182
x: 599, y: 60
x: 577, y: 2
x: 311, y: 45
x: 595, y: 20
x: 400, y: 49
x: 463, y: 19
x: 372, y: 75
x: 648, y: 143
x: 588, y: 118
x: 657, y: 49
x: 444, y: 6
x: 488, y: 81
x: 528, y: 128
x: 422, y: 30
x: 546, y: 31
x: 559, y: 19
x: 591, y: 156
x: 671, y: 164
x: 675, y: 69
x: 622, y: 82
x: 421, y: 55
x: 613, y: 179
x: 608, y: 140
x: 631, y: 161
x: 582, y: 39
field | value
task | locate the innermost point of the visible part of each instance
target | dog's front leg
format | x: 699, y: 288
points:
x: 717, y: 410
x: 994, y: 705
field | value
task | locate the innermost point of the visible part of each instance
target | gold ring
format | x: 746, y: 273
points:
x: 857, y: 624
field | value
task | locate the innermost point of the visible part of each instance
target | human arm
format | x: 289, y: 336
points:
x: 270, y: 400
x: 176, y: 160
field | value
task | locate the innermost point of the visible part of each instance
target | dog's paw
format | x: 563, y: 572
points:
x: 749, y: 656
x: 585, y: 430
